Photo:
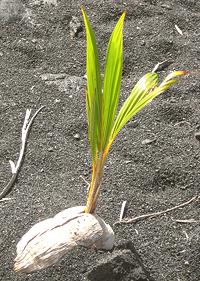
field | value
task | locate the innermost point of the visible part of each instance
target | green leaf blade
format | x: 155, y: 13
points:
x: 142, y: 94
x: 143, y: 86
x: 112, y: 79
x: 94, y: 95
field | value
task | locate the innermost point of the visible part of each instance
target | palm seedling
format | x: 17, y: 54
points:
x: 49, y: 240
x: 102, y: 100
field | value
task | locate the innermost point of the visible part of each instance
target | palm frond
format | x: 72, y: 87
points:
x: 112, y: 79
x: 94, y: 90
x: 143, y: 93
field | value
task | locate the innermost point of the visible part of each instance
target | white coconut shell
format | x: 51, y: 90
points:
x: 47, y: 241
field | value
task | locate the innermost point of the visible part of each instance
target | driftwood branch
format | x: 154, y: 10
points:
x: 155, y: 214
x: 15, y: 168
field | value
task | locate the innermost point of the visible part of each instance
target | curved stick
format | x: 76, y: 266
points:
x: 155, y: 214
x: 15, y: 168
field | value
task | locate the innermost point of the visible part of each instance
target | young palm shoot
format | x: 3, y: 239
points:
x: 47, y: 241
x: 102, y: 97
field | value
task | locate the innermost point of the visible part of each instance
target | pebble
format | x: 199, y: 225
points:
x: 128, y: 161
x: 184, y: 187
x: 166, y: 6
x: 197, y: 135
x: 75, y: 27
x: 53, y: 77
x: 148, y: 141
x: 77, y: 136
x: 133, y: 124
x: 57, y: 100
x: 142, y: 43
x: 48, y: 2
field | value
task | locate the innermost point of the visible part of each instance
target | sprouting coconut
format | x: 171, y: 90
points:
x: 47, y: 241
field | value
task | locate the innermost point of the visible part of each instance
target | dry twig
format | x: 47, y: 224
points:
x: 155, y: 214
x: 5, y: 199
x: 15, y: 168
x: 122, y: 210
x: 162, y: 65
x: 178, y: 30
x: 88, y: 184
x: 187, y: 221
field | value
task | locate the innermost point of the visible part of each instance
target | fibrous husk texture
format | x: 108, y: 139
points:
x: 47, y: 241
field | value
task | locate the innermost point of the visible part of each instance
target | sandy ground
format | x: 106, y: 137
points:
x: 38, y: 38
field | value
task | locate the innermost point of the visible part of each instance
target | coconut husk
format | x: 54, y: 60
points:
x: 49, y: 240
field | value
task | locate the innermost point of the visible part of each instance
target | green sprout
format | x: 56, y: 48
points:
x: 102, y: 98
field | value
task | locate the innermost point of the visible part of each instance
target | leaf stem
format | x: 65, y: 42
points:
x: 94, y: 189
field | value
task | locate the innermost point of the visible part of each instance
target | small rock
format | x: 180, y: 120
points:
x: 11, y: 10
x: 77, y: 136
x: 184, y: 187
x: 148, y: 141
x: 48, y: 2
x: 133, y: 124
x: 166, y: 6
x: 75, y: 27
x: 123, y: 263
x: 142, y: 43
x: 53, y: 77
x: 65, y: 83
x: 50, y: 149
x: 57, y: 100
x: 1, y: 54
x: 128, y: 161
x: 197, y: 135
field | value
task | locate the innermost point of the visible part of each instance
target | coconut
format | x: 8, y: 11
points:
x: 49, y: 240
